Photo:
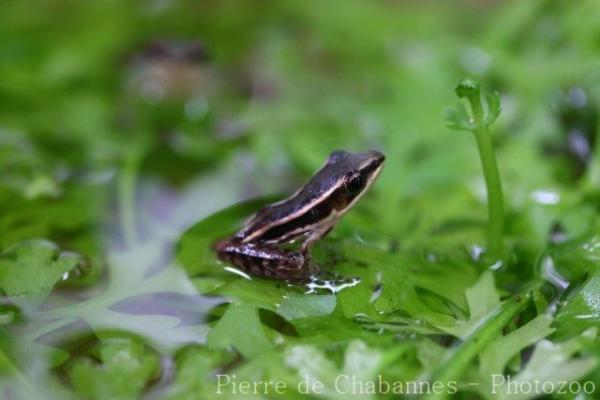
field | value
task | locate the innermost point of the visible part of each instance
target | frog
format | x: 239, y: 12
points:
x: 262, y: 246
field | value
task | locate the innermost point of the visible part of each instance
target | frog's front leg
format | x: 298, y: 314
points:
x: 313, y: 237
x: 260, y: 260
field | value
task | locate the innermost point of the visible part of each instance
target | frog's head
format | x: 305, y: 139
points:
x: 354, y: 174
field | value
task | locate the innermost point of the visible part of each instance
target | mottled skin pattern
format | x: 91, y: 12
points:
x: 305, y: 217
x: 271, y: 263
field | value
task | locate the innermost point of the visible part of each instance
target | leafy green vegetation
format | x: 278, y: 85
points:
x: 135, y: 134
x: 124, y: 370
x: 30, y: 268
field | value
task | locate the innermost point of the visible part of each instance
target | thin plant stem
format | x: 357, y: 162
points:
x: 479, y: 125
x: 495, y: 229
x: 127, y: 181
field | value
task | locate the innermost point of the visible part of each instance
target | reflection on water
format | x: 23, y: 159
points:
x: 318, y: 282
x: 321, y: 282
x: 188, y: 309
x: 145, y: 292
x: 238, y: 272
x: 141, y: 292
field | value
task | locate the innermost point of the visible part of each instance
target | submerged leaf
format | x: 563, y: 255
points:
x: 25, y: 369
x: 240, y: 328
x: 294, y: 306
x: 361, y: 364
x: 125, y: 368
x: 34, y: 267
x: 193, y: 378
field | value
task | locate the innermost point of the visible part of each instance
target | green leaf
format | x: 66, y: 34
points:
x: 459, y: 358
x: 257, y: 292
x: 576, y: 257
x: 581, y: 309
x: 361, y: 364
x: 553, y: 362
x: 295, y: 306
x: 34, y: 267
x: 125, y: 368
x: 483, y: 300
x: 240, y: 328
x: 495, y: 358
x: 193, y: 376
x: 457, y: 118
x: 404, y: 283
x: 41, y: 186
x: 494, y: 108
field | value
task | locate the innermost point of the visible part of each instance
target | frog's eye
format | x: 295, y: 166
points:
x: 354, y: 183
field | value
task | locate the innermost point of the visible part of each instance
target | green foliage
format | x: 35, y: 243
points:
x: 494, y: 108
x: 123, y: 370
x: 195, y: 365
x: 294, y: 306
x: 360, y: 362
x: 34, y: 267
x: 551, y: 362
x: 494, y: 359
x: 240, y: 327
x: 581, y: 308
x: 132, y: 135
x: 483, y: 301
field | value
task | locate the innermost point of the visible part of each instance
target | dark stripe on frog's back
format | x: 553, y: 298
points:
x: 309, y: 194
x: 305, y: 220
x: 288, y: 230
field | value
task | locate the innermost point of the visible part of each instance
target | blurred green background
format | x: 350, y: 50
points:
x: 268, y: 89
x: 123, y: 123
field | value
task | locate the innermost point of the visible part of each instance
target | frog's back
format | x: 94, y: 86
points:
x: 312, y: 203
x: 288, y: 209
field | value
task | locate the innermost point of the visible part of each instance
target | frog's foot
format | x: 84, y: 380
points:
x: 293, y: 267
